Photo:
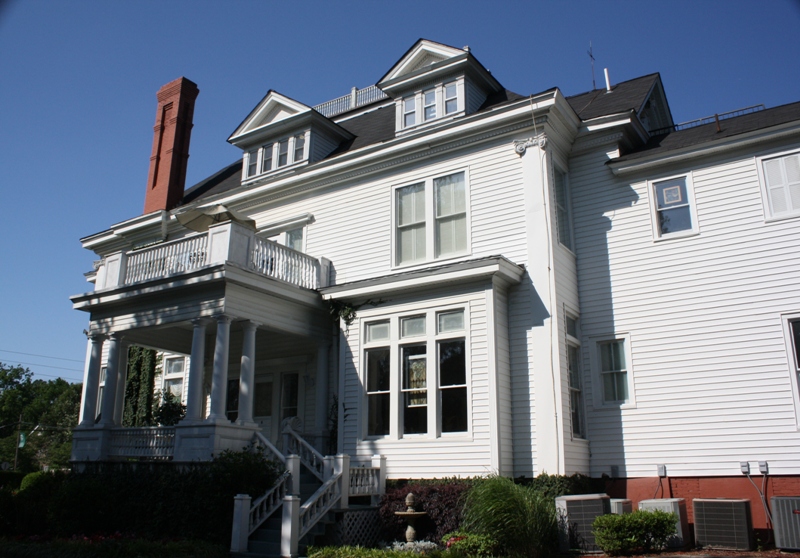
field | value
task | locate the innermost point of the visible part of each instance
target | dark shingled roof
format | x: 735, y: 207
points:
x: 624, y: 96
x: 707, y: 133
x: 375, y: 126
x: 227, y: 179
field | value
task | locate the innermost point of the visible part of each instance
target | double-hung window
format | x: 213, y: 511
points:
x: 266, y: 158
x: 174, y: 369
x: 415, y: 375
x: 283, y: 153
x: 673, y: 207
x: 791, y: 324
x: 563, y: 213
x: 252, y: 163
x: 613, y: 372
x: 781, y: 177
x: 431, y: 219
x: 575, y: 379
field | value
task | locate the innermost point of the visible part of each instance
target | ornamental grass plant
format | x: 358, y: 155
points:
x: 520, y: 518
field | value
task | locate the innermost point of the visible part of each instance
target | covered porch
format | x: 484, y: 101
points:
x: 256, y: 332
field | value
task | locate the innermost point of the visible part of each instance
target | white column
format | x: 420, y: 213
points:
x: 321, y: 417
x: 194, y: 400
x: 247, y: 374
x: 112, y: 375
x: 119, y: 407
x: 91, y: 380
x: 219, y: 378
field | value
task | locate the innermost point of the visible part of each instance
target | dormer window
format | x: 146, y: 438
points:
x: 285, y: 152
x: 444, y: 99
x: 409, y: 112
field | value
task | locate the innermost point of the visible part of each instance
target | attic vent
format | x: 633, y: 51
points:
x: 786, y: 517
x: 723, y: 523
x: 345, y: 102
x: 576, y: 515
x: 706, y: 120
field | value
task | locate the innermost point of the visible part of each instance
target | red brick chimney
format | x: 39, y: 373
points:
x: 172, y: 131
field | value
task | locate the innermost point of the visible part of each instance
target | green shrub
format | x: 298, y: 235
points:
x: 108, y: 547
x: 471, y: 545
x: 640, y: 531
x: 553, y: 486
x: 522, y: 520
x: 361, y: 552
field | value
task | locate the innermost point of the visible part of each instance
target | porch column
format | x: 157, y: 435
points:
x: 119, y: 406
x: 219, y: 378
x: 247, y: 374
x: 321, y: 418
x: 91, y: 376
x: 194, y: 400
x: 112, y: 374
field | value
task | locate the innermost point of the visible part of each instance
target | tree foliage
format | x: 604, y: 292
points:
x: 49, y: 410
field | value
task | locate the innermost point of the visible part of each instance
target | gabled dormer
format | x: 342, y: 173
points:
x: 434, y: 83
x: 282, y: 134
x: 654, y: 114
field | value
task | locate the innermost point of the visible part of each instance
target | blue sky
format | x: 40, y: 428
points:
x: 77, y: 99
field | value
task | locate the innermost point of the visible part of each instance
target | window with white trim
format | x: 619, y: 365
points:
x: 563, y: 208
x: 173, y: 376
x: 431, y: 219
x: 275, y: 155
x: 575, y: 381
x: 444, y: 99
x: 673, y: 207
x: 613, y: 371
x: 781, y: 177
x: 791, y: 325
x: 415, y: 375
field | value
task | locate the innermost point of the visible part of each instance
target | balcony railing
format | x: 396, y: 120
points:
x: 227, y: 242
x: 156, y: 443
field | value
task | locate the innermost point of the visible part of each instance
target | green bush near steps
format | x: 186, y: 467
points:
x: 637, y: 532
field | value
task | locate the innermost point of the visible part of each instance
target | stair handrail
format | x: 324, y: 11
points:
x: 320, y: 503
x: 262, y: 442
x: 311, y: 458
x: 266, y: 505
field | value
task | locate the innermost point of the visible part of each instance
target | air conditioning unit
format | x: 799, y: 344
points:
x: 678, y: 507
x: 620, y: 506
x: 576, y: 515
x: 786, y: 521
x: 723, y: 523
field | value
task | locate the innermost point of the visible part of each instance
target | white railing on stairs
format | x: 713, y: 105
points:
x: 267, y: 448
x: 311, y: 458
x: 323, y: 500
x: 266, y: 505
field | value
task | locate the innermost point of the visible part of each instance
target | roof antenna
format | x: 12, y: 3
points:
x: 591, y: 57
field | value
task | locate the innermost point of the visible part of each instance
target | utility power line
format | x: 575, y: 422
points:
x: 42, y: 356
x: 48, y: 366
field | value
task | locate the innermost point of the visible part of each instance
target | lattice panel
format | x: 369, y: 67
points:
x: 359, y: 527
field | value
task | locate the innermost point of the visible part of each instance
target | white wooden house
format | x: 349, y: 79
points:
x: 541, y: 283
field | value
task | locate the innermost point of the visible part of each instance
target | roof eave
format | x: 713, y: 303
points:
x: 747, y: 139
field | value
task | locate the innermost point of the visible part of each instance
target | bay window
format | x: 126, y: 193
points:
x: 415, y: 375
x: 431, y: 219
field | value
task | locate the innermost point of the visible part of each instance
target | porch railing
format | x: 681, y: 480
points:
x: 155, y: 443
x: 274, y: 260
x: 365, y: 481
x: 165, y: 259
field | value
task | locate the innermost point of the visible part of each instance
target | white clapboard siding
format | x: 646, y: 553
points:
x: 708, y: 358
